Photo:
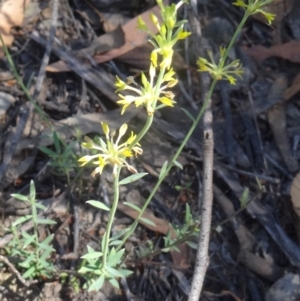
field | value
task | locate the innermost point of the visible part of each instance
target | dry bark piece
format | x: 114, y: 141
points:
x: 293, y: 89
x: 133, y: 38
x: 6, y: 100
x: 105, y: 42
x: 161, y: 225
x: 286, y: 288
x: 288, y: 51
x: 295, y: 194
x: 277, y: 121
x: 11, y: 15
x: 265, y: 218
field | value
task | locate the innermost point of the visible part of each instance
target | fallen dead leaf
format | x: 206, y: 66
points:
x: 133, y: 38
x: 11, y: 15
x: 293, y: 89
x: 139, y: 58
x: 277, y: 121
x: 295, y: 194
x: 278, y: 7
x: 162, y: 226
x: 288, y: 51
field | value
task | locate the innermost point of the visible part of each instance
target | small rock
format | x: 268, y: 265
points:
x: 286, y: 288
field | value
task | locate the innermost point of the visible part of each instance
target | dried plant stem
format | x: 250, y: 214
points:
x: 202, y: 259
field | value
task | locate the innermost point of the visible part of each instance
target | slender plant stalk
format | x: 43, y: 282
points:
x: 21, y: 84
x: 171, y: 164
x: 111, y: 216
x: 150, y: 117
x: 187, y: 137
x: 202, y: 259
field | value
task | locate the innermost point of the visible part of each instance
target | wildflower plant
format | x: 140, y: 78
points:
x: 32, y: 255
x: 63, y: 160
x: 153, y: 94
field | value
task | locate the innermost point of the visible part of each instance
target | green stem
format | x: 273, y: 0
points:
x: 233, y: 39
x: 182, y: 145
x: 111, y: 216
x: 150, y: 117
x: 187, y: 137
x: 21, y: 84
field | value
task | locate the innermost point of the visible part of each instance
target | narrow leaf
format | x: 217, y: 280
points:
x: 192, y: 245
x: 32, y: 190
x: 133, y: 206
x: 179, y: 165
x: 92, y: 255
x: 163, y: 169
x: 132, y: 178
x: 96, y: 285
x: 21, y: 220
x: 188, y: 114
x: 20, y: 197
x: 98, y: 205
x: 45, y: 222
x: 47, y: 151
x: 244, y: 197
x: 147, y: 221
x: 114, y: 282
x: 29, y: 272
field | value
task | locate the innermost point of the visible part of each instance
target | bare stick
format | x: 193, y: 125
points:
x: 15, y: 271
x: 202, y: 259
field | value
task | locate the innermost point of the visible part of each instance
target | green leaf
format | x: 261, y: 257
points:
x: 48, y: 151
x: 124, y: 272
x: 40, y: 206
x: 174, y: 248
x: 92, y: 255
x: 32, y: 190
x: 192, y: 245
x: 188, y: 114
x: 96, y: 285
x: 179, y: 165
x: 56, y: 142
x: 244, y: 197
x: 119, y: 234
x: 27, y: 262
x: 98, y: 205
x: 21, y: 220
x: 48, y: 239
x: 86, y: 269
x: 114, y: 258
x: 20, y: 197
x: 113, y: 272
x: 147, y: 221
x: 187, y: 213
x: 29, y: 272
x: 45, y: 222
x: 163, y: 169
x: 114, y: 282
x: 132, y: 178
x: 133, y: 206
x: 115, y: 243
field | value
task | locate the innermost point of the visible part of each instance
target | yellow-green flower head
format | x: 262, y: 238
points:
x: 255, y: 6
x: 111, y: 152
x: 166, y: 38
x: 218, y: 71
x: 148, y: 94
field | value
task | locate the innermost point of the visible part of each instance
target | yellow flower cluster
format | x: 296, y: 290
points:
x: 111, y: 152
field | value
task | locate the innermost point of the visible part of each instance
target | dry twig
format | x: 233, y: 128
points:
x: 202, y: 259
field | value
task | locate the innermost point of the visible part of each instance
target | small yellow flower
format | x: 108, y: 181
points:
x: 219, y: 71
x: 146, y: 95
x: 111, y: 152
x: 255, y: 6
